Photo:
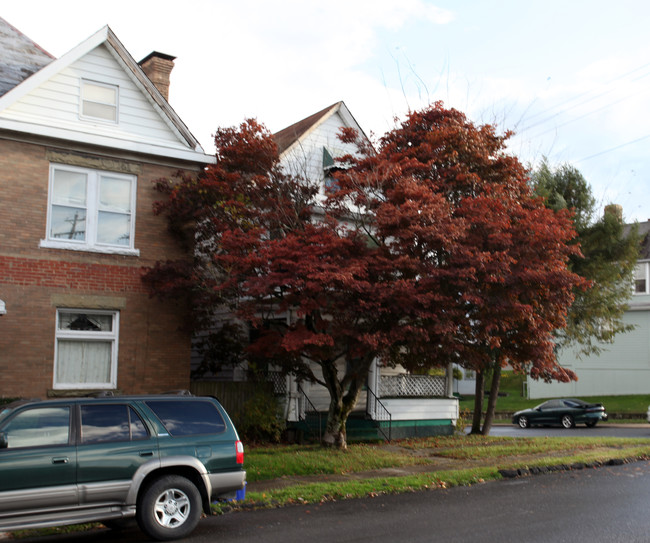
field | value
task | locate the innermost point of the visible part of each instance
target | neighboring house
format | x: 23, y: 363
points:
x: 310, y: 148
x: 82, y: 138
x: 405, y: 405
x: 623, y: 366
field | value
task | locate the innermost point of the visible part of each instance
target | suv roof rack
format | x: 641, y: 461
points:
x: 180, y: 392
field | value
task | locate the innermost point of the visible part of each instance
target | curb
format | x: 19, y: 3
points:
x: 524, y: 472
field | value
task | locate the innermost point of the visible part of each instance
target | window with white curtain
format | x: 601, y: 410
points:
x: 90, y: 210
x: 86, y: 349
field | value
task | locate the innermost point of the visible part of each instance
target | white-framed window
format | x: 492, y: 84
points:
x: 86, y: 349
x: 90, y: 210
x: 98, y: 101
x: 642, y: 278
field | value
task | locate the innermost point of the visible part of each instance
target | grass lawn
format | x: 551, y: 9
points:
x: 514, y: 400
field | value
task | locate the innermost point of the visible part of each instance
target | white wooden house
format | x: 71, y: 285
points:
x: 404, y: 404
x: 623, y: 366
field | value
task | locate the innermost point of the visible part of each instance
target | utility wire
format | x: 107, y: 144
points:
x: 582, y: 95
x: 614, y: 148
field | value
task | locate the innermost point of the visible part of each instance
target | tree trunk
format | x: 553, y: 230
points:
x: 478, y: 402
x: 492, y: 400
x: 335, y: 435
x: 335, y: 430
x: 343, y: 397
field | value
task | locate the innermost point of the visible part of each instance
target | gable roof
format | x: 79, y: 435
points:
x: 190, y: 149
x: 286, y: 138
x: 644, y: 235
x: 643, y: 230
x: 20, y: 58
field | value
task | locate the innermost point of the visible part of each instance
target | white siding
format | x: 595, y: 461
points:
x: 55, y: 103
x: 622, y: 368
x: 305, y: 158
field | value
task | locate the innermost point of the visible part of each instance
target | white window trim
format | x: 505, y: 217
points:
x: 92, y: 206
x: 84, y: 82
x: 87, y: 336
x: 646, y: 265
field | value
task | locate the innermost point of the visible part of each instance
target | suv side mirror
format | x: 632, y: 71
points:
x: 3, y: 441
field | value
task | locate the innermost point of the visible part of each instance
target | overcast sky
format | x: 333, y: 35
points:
x: 570, y: 77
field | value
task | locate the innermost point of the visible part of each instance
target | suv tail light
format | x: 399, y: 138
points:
x: 239, y: 448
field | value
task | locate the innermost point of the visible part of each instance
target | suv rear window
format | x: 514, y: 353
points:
x: 188, y: 417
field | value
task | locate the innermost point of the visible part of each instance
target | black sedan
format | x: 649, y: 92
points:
x: 567, y: 413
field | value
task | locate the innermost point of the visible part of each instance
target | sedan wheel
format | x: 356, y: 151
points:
x: 567, y: 421
x: 522, y: 420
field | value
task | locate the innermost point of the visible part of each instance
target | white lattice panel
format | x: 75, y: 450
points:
x: 412, y: 386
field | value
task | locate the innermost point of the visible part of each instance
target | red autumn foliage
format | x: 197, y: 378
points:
x: 483, y: 263
x: 430, y: 250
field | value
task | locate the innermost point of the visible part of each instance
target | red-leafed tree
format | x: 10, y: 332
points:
x: 308, y: 285
x: 428, y: 251
x: 482, y: 263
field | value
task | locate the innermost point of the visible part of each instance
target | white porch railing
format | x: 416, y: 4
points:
x: 412, y: 386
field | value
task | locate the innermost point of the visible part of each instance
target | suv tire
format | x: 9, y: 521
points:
x: 170, y: 508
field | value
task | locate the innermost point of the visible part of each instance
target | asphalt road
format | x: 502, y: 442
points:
x: 601, y: 430
x: 608, y: 504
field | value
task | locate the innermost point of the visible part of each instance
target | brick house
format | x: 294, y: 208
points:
x: 82, y: 138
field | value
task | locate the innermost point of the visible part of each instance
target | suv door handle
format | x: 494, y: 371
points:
x: 60, y: 460
x: 146, y: 453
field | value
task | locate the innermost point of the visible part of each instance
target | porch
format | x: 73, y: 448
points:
x: 392, y: 406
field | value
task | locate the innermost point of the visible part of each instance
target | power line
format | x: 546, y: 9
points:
x: 582, y: 95
x: 614, y: 148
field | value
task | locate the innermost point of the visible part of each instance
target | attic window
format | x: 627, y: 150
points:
x: 329, y: 166
x: 328, y: 161
x: 99, y: 101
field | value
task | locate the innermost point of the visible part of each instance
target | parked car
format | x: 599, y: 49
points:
x: 161, y: 459
x: 565, y: 412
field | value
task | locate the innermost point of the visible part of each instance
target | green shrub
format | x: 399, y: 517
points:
x: 260, y: 420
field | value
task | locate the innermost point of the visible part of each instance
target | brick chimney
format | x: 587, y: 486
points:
x: 158, y: 66
x: 616, y: 210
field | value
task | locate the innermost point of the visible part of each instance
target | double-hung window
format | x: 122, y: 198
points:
x: 86, y: 349
x: 641, y: 278
x: 98, y: 101
x: 90, y: 210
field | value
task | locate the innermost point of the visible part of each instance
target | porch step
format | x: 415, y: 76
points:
x: 358, y: 427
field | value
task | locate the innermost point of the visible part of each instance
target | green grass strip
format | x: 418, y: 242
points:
x: 360, y: 488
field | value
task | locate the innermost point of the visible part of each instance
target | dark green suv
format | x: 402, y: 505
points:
x: 161, y: 459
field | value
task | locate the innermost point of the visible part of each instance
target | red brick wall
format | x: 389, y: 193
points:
x: 154, y: 351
